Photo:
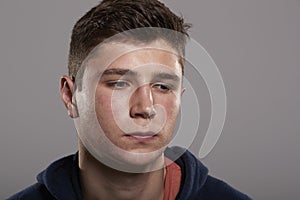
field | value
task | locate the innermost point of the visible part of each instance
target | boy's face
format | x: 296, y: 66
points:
x: 136, y: 99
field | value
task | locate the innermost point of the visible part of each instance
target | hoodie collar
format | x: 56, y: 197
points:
x: 194, y: 173
x: 61, y: 178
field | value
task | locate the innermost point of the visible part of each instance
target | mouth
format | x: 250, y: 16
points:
x: 141, y: 136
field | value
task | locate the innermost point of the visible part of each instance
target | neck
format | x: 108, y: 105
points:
x: 99, y: 181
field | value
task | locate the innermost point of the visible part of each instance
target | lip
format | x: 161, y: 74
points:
x: 141, y: 136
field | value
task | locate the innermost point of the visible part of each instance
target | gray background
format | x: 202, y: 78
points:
x: 255, y: 44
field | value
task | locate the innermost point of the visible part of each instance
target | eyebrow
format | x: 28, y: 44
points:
x: 128, y: 72
x: 117, y: 71
x: 162, y: 75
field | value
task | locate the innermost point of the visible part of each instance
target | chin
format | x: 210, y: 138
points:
x: 134, y: 161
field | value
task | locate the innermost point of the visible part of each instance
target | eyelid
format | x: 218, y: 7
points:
x: 113, y: 82
x: 168, y: 86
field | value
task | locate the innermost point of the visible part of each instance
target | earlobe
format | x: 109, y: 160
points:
x: 66, y: 93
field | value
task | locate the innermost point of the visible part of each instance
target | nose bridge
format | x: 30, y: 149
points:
x: 143, y: 96
x: 142, y: 102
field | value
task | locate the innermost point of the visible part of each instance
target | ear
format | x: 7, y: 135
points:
x: 182, y: 91
x: 66, y: 93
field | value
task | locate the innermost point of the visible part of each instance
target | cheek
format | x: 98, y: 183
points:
x: 109, y: 107
x: 102, y: 102
x: 103, y: 108
x: 171, y: 106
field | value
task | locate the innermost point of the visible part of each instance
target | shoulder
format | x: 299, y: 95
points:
x: 55, y: 181
x: 197, y: 183
x: 214, y: 188
x: 36, y: 191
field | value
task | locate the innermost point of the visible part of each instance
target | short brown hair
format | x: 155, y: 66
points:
x: 111, y: 17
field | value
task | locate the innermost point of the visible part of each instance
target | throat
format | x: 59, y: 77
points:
x: 99, y: 181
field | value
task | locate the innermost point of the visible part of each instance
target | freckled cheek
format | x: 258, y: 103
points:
x: 103, y: 106
x: 110, y: 106
x: 171, y: 106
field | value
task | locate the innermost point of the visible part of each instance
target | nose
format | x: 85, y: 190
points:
x: 142, y: 103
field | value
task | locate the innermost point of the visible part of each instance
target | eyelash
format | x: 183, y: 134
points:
x: 163, y: 87
x: 160, y: 86
x: 113, y: 84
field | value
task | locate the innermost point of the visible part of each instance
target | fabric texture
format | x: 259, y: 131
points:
x: 60, y: 181
x: 172, y: 180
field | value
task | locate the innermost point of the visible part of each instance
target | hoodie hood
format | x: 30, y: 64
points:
x: 61, y: 178
x: 194, y: 173
x: 61, y: 181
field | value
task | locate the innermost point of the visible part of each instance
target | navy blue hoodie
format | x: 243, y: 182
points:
x: 60, y: 181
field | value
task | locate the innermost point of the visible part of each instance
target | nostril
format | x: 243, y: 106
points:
x: 148, y: 113
x: 152, y: 113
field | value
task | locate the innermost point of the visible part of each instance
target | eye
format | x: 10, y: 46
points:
x: 119, y: 84
x: 162, y: 87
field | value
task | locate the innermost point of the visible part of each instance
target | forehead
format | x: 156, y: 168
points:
x: 133, y: 56
x: 147, y: 56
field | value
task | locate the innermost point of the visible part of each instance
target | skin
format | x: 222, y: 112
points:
x: 136, y: 102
